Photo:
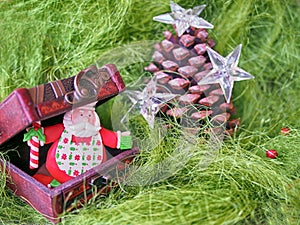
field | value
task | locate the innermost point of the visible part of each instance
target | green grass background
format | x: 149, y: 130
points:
x: 45, y: 40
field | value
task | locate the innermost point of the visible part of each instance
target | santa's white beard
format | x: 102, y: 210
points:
x: 82, y: 129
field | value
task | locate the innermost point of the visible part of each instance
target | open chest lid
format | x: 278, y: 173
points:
x: 25, y: 106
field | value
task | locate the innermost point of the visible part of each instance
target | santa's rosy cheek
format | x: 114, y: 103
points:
x: 92, y: 118
x: 77, y: 116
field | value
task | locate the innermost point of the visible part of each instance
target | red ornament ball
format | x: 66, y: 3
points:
x: 272, y: 154
x: 285, y: 130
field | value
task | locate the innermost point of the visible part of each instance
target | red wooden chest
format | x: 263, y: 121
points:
x: 47, y: 103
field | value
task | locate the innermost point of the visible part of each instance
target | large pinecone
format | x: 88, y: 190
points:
x: 179, y: 63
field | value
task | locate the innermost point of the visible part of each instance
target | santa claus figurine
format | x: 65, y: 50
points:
x: 78, y: 146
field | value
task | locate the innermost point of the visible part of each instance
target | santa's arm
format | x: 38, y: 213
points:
x: 116, y: 139
x: 53, y: 133
x: 109, y: 138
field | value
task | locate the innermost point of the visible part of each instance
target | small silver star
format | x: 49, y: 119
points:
x: 225, y: 71
x: 184, y: 18
x: 148, y: 101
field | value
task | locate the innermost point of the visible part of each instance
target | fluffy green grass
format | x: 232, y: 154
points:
x: 41, y: 41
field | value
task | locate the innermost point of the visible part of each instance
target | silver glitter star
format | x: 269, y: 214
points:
x: 184, y: 18
x: 148, y: 101
x: 225, y: 71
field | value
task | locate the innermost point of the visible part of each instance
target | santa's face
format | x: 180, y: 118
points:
x: 82, y: 122
x: 83, y: 115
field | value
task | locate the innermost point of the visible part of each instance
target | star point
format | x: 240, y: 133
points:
x: 225, y: 71
x: 148, y: 101
x: 184, y: 18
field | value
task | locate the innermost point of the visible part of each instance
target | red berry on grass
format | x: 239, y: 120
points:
x: 271, y: 153
x: 285, y: 130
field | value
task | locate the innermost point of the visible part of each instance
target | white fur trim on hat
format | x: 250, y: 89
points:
x: 90, y: 106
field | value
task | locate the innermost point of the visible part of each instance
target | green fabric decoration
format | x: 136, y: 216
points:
x: 126, y: 142
x: 33, y: 132
x: 54, y: 183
